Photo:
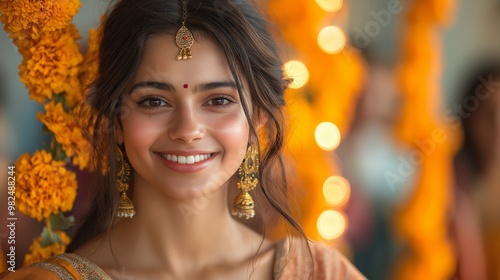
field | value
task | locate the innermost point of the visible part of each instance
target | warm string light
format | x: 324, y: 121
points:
x: 327, y: 136
x: 336, y: 190
x: 331, y: 224
x: 297, y: 71
x: 331, y: 39
x: 328, y: 72
x: 330, y: 5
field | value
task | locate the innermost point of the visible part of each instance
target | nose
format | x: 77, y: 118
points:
x: 186, y: 125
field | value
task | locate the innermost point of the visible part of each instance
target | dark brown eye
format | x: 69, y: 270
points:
x: 221, y: 101
x: 152, y: 102
x: 218, y: 101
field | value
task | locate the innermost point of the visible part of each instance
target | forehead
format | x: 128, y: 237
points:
x: 159, y: 61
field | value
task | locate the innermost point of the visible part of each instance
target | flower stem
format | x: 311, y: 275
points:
x: 48, y: 224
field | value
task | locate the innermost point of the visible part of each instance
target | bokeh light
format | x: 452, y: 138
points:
x: 336, y: 190
x: 327, y: 136
x: 332, y: 39
x: 297, y: 71
x: 331, y: 224
x: 330, y: 5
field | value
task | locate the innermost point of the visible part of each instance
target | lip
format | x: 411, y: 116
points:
x: 186, y: 168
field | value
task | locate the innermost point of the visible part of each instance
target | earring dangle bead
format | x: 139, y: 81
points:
x: 243, y: 205
x: 184, y: 38
x: 125, y: 206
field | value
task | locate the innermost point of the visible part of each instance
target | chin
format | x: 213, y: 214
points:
x: 189, y: 192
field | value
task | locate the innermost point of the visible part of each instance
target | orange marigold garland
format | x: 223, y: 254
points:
x: 90, y: 60
x: 66, y: 132
x: 40, y: 251
x: 51, y: 66
x: 51, y: 70
x: 26, y: 19
x: 422, y: 222
x: 44, y: 186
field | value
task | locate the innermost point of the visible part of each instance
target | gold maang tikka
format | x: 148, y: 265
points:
x: 248, y: 172
x: 125, y: 206
x: 184, y: 38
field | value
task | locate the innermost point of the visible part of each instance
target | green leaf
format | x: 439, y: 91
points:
x: 60, y: 222
x: 58, y: 152
x: 49, y: 238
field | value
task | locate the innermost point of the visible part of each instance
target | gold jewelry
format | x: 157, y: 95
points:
x: 184, y: 38
x: 125, y: 206
x: 248, y: 179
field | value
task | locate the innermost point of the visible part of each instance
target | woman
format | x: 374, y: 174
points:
x: 476, y: 224
x: 188, y: 100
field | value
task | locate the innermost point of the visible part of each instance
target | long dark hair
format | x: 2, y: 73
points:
x: 245, y: 38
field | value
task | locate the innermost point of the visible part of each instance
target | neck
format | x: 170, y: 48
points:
x: 174, y: 234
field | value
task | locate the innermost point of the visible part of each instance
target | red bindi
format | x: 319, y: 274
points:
x: 185, y: 86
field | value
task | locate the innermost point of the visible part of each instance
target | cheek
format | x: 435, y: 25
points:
x: 139, y: 132
x: 232, y: 132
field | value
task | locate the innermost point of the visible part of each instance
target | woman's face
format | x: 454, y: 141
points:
x: 183, y: 125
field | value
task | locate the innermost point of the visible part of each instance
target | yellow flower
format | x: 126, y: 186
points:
x: 90, y: 60
x: 89, y: 66
x: 51, y: 65
x: 26, y: 19
x: 67, y: 133
x: 44, y: 186
x: 39, y: 253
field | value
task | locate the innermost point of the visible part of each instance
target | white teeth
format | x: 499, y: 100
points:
x: 181, y: 159
x: 185, y: 159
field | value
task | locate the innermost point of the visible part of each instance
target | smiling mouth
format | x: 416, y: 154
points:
x: 192, y: 159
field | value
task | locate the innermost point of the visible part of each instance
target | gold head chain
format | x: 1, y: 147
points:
x: 184, y: 38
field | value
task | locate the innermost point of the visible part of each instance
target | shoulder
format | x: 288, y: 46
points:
x: 301, y: 257
x: 331, y: 264
x: 65, y: 266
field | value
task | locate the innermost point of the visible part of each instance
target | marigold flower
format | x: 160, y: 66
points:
x: 67, y: 133
x: 39, y: 253
x: 44, y: 186
x: 52, y: 65
x: 90, y: 63
x: 25, y: 19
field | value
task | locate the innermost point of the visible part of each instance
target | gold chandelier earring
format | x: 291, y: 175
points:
x: 125, y: 207
x: 248, y: 171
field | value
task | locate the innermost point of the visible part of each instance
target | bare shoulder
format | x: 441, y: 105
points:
x: 304, y: 257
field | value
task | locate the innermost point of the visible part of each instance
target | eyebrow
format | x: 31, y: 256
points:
x: 215, y: 85
x: 154, y: 85
x: 170, y: 87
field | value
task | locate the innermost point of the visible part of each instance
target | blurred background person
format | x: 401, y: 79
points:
x: 367, y: 153
x: 477, y: 174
